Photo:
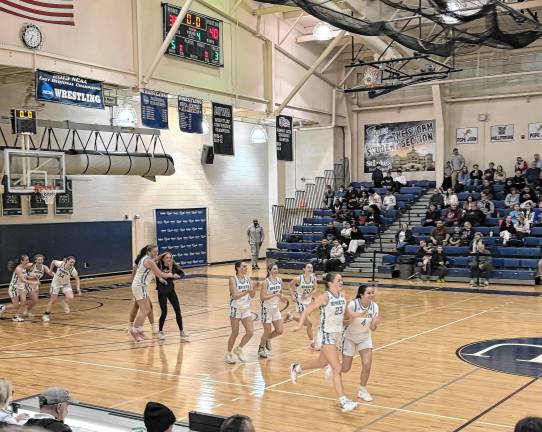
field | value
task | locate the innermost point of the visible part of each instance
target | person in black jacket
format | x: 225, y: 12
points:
x: 54, y: 403
x: 322, y: 253
x: 439, y: 264
x: 388, y: 182
x: 166, y: 291
x: 432, y: 215
x: 377, y: 176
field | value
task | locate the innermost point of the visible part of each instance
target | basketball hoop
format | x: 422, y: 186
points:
x: 48, y: 193
x: 371, y: 77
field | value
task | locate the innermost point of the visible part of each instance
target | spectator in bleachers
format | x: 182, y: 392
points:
x: 400, y: 180
x: 341, y: 193
x: 508, y: 185
x: 529, y: 424
x: 487, y: 188
x: 522, y: 227
x: 532, y: 173
x: 329, y: 196
x: 474, y: 215
x: 322, y: 253
x: 373, y: 215
x: 403, y: 237
x: 500, y: 174
x: 470, y: 200
x: 6, y: 415
x: 356, y: 240
x: 476, y: 241
x: 377, y: 176
x: 463, y: 180
x: 364, y: 200
x: 450, y: 198
x: 536, y: 219
x: 527, y: 195
x: 476, y: 175
x: 424, y: 261
x: 345, y: 234
x: 439, y: 263
x: 520, y: 165
x: 447, y: 181
x: 336, y: 257
x: 538, y: 184
x: 388, y: 182
x: 528, y: 211
x: 437, y: 199
x: 506, y: 230
x: 489, y: 174
x: 486, y: 205
x: 467, y: 234
x: 330, y: 231
x: 54, y: 403
x: 352, y: 197
x: 389, y: 202
x: 457, y: 162
x: 237, y: 423
x: 518, y: 181
x: 452, y: 215
x: 158, y: 417
x: 538, y: 161
x: 361, y: 220
x: 457, y: 237
x: 514, y: 214
x: 480, y: 266
x: 512, y: 198
x: 439, y: 234
x: 432, y: 215
x: 374, y: 199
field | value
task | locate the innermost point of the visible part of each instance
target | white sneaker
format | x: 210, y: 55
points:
x: 2, y: 309
x: 161, y: 335
x: 486, y: 282
x: 184, y: 334
x: 348, y: 405
x: 66, y: 307
x: 328, y: 372
x: 17, y: 318
x: 228, y: 358
x: 293, y: 372
x: 364, y: 394
x: 472, y: 283
x: 262, y: 353
x: 28, y: 314
x: 239, y: 353
x: 268, y: 345
x: 46, y: 318
x: 155, y: 329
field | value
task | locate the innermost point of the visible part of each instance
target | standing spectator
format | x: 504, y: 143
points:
x: 512, y: 198
x: 531, y: 175
x: 474, y: 215
x: 256, y: 237
x: 522, y: 227
x: 439, y: 234
x: 438, y: 198
x: 388, y: 182
x: 377, y: 176
x: 432, y: 215
x: 457, y: 161
x: 486, y: 205
x: 374, y: 199
x: 489, y: 174
x: 467, y: 234
x: 389, y: 201
x: 237, y: 423
x: 54, y: 403
x: 518, y: 181
x: 328, y: 197
x: 158, y: 417
x: 506, y: 230
x: 480, y: 266
x: 520, y: 165
x: 450, y: 198
x: 463, y: 180
x: 477, y: 240
x: 452, y: 215
x: 6, y: 416
x: 439, y: 264
x: 400, y: 180
x: 476, y: 175
x: 322, y: 253
x: 336, y: 257
x: 538, y: 161
x: 447, y: 181
x: 356, y: 240
x: 403, y: 237
x: 500, y: 174
x: 457, y: 237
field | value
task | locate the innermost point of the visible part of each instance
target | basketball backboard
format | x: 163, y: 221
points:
x: 25, y: 169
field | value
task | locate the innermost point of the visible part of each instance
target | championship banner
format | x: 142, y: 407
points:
x: 284, y: 138
x: 502, y: 133
x: 190, y: 114
x: 535, y: 131
x: 223, y: 129
x: 466, y: 135
x: 69, y: 90
x: 37, y: 206
x: 64, y: 201
x: 154, y: 109
x: 409, y: 146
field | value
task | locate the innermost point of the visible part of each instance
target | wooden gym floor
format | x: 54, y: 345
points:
x: 418, y: 383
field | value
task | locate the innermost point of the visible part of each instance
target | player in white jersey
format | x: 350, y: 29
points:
x: 364, y: 320
x: 19, y: 290
x: 270, y: 296
x: 302, y: 289
x: 61, y: 284
x: 242, y: 292
x: 333, y: 311
x: 144, y: 274
x: 36, y: 270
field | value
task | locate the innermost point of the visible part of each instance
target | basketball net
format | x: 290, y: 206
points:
x: 48, y: 193
x: 371, y: 76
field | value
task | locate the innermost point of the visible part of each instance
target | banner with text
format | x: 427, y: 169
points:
x: 69, y: 90
x: 535, y: 131
x: 409, y: 146
x: 466, y: 135
x: 284, y: 138
x: 223, y: 129
x: 190, y: 114
x: 154, y: 109
x: 502, y: 133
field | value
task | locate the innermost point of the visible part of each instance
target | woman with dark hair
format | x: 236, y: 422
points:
x: 166, y: 291
x: 19, y: 288
x: 432, y: 215
x: 36, y: 271
x: 61, y: 284
x: 333, y: 312
x: 242, y: 292
x: 302, y: 288
x: 270, y: 296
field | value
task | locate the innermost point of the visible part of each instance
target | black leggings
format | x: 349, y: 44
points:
x: 165, y: 294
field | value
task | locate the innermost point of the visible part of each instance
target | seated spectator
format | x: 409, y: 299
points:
x: 374, y: 199
x: 506, y: 230
x: 400, y: 180
x: 480, y: 267
x: 528, y: 211
x: 330, y: 233
x: 477, y: 240
x: 529, y: 424
x: 527, y: 195
x: 508, y: 185
x: 538, y: 184
x: 336, y: 257
x: 389, y: 202
x: 388, y: 182
x: 531, y: 175
x: 377, y: 176
x: 500, y: 174
x: 54, y: 403
x: 512, y: 198
x: 344, y: 215
x: 476, y: 175
x: 489, y: 174
x: 514, y: 214
x: 474, y: 215
x: 456, y: 238
x: 6, y: 416
x: 322, y: 253
x: 537, y: 160
x: 452, y: 215
x: 363, y: 199
x: 447, y: 182
x: 237, y: 423
x: 403, y: 237
x: 463, y: 179
x: 158, y: 418
x: 362, y: 219
x: 329, y: 196
x: 432, y: 215
x: 518, y: 181
x: 467, y: 234
x: 336, y: 207
x: 373, y: 215
x: 424, y: 256
x: 522, y: 227
x: 352, y: 201
x: 439, y: 264
x: 438, y: 198
x: 486, y: 205
x: 450, y: 198
x: 470, y: 200
x: 341, y: 193
x: 345, y: 234
x: 356, y: 240
x: 487, y: 188
x: 439, y: 234
x: 536, y: 219
x: 520, y: 165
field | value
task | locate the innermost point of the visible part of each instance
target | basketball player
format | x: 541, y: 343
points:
x: 19, y: 289
x: 61, y: 283
x: 270, y: 296
x: 302, y: 288
x: 364, y: 319
x: 144, y: 273
x: 36, y: 271
x: 333, y: 311
x: 242, y: 292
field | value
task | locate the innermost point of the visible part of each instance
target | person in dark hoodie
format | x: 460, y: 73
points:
x: 158, y: 418
x: 377, y: 177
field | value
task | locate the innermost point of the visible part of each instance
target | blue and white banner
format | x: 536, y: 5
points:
x: 190, y: 114
x: 183, y: 232
x: 154, y: 109
x: 69, y: 90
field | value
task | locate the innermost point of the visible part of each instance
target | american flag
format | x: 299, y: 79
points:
x: 49, y: 11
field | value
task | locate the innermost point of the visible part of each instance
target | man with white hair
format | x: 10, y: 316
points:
x: 54, y: 403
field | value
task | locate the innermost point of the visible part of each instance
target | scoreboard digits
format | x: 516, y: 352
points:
x: 199, y: 37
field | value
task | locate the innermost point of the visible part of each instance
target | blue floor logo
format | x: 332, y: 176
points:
x: 521, y: 356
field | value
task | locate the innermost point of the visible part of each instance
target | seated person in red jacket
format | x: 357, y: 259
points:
x: 452, y: 215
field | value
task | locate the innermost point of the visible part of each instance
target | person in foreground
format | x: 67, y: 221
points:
x: 237, y: 423
x: 529, y: 424
x: 158, y: 418
x: 333, y: 312
x: 54, y: 403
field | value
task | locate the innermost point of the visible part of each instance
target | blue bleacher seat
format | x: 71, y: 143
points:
x: 519, y: 251
x: 532, y: 241
x: 458, y: 272
x: 529, y: 263
x: 456, y: 250
x: 513, y: 274
x: 498, y: 187
x: 299, y: 246
x: 511, y: 263
x: 458, y: 261
x: 368, y: 229
x: 536, y: 231
x: 422, y: 230
x: 491, y: 221
x: 404, y: 197
x: 389, y: 259
x: 411, y: 249
x: 412, y: 190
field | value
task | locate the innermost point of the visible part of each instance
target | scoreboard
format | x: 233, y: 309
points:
x: 199, y: 37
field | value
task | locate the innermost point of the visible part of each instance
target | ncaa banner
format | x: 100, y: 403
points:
x: 502, y: 133
x: 190, y: 114
x: 466, y: 135
x: 409, y: 146
x: 284, y: 138
x: 535, y: 131
x: 69, y: 90
x: 154, y: 109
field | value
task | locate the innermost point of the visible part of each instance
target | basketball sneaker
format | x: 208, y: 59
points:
x: 472, y: 283
x: 161, y: 335
x: 228, y: 358
x: 66, y: 307
x: 294, y: 372
x: 2, y: 309
x: 262, y: 353
x: 364, y: 394
x: 184, y: 334
x: 268, y: 345
x: 240, y: 354
x: 347, y: 405
x: 155, y: 329
x: 46, y: 318
x: 485, y: 282
x: 28, y: 314
x: 17, y: 318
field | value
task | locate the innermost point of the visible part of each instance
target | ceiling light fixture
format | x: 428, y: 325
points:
x: 258, y: 135
x: 322, y: 31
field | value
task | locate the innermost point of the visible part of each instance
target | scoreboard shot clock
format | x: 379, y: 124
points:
x: 199, y: 37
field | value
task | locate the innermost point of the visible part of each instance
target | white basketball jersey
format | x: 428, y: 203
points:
x: 143, y: 275
x: 243, y: 287
x: 273, y: 288
x: 63, y: 275
x: 332, y: 314
x: 304, y: 289
x: 16, y: 283
x: 36, y: 271
x: 359, y: 328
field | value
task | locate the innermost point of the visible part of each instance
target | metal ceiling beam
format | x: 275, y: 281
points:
x: 275, y: 9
